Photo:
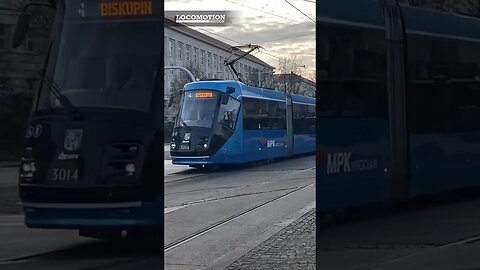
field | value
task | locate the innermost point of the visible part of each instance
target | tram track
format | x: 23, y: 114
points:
x: 198, y: 233
x: 227, y: 197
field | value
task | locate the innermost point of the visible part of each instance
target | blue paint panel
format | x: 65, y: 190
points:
x: 364, y: 144
x: 148, y: 215
x: 443, y: 162
x: 350, y: 12
x: 303, y: 99
x: 304, y: 143
x: 441, y: 23
x: 264, y: 144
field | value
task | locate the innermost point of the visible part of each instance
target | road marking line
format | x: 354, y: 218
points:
x: 173, y: 209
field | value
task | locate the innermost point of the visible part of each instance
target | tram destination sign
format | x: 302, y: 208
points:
x: 96, y: 9
x: 204, y: 95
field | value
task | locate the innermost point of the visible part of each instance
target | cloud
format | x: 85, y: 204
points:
x: 279, y: 36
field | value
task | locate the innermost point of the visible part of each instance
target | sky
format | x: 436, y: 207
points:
x: 274, y: 24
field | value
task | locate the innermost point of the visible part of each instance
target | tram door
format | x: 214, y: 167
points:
x: 254, y: 121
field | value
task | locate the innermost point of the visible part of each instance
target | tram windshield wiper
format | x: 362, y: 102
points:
x: 55, y: 89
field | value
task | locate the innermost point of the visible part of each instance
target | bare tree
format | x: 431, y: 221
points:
x: 290, y: 74
x: 180, y: 79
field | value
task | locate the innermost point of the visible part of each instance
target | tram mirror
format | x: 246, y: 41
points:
x: 21, y: 30
x: 230, y: 90
x: 225, y: 98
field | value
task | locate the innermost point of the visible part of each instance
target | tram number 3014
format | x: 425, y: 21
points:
x: 61, y: 174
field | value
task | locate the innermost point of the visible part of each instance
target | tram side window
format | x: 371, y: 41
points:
x: 259, y: 114
x: 443, y: 87
x: 351, y: 72
x: 227, y: 115
x: 304, y: 119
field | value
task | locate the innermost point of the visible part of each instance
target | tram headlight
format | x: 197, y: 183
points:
x: 27, y: 166
x: 27, y: 169
x: 130, y: 168
x: 205, y: 145
x: 173, y: 146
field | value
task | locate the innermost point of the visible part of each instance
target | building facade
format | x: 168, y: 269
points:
x: 294, y: 84
x: 204, y: 56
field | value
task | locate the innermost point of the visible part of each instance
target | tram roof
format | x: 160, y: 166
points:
x: 422, y: 21
x: 246, y: 90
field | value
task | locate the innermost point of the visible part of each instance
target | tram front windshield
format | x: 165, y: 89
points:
x: 198, y: 109
x: 102, y: 60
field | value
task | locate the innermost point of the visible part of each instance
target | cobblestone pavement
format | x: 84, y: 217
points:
x: 291, y: 248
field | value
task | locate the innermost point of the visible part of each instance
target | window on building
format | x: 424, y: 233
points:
x: 220, y: 63
x: 187, y: 52
x: 215, y: 61
x: 209, y: 59
x: 171, y: 47
x: 202, y: 57
x: 195, y: 51
x: 180, y: 50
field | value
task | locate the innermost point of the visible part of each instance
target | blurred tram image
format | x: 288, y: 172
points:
x: 95, y: 136
x: 398, y: 112
x: 228, y: 122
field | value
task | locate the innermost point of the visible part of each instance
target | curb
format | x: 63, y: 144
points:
x: 9, y: 164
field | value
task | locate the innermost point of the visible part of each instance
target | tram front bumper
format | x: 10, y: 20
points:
x: 63, y: 216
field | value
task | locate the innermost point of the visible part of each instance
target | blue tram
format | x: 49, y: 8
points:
x: 228, y: 122
x: 399, y: 103
x: 95, y: 135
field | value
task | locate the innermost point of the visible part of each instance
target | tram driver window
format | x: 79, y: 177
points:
x: 227, y: 115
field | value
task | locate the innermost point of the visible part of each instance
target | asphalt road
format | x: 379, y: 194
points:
x: 438, y: 233
x: 213, y: 218
x: 23, y: 248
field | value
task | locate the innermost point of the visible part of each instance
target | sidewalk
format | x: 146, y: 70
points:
x: 291, y: 248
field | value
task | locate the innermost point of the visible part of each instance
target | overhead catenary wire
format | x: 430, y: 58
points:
x: 243, y: 43
x: 263, y: 11
x: 258, y: 42
x: 285, y: 38
x: 300, y: 11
